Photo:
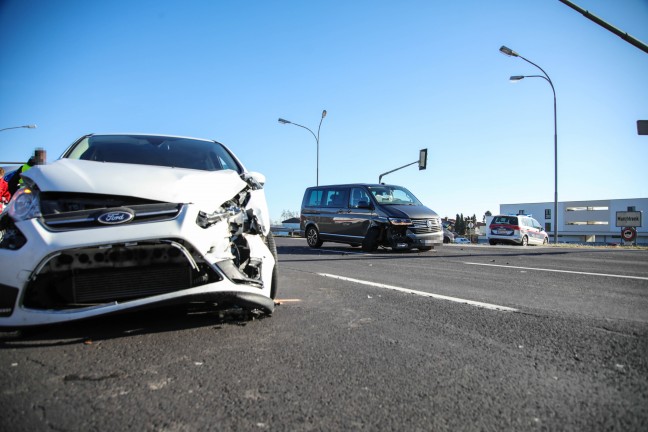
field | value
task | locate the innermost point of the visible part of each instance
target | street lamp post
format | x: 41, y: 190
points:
x: 18, y: 127
x: 284, y: 121
x: 509, y: 52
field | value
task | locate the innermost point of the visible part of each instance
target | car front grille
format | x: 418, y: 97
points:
x: 64, y: 211
x: 421, y: 226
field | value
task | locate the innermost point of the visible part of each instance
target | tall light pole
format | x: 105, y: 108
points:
x: 509, y: 52
x: 18, y: 127
x: 284, y: 121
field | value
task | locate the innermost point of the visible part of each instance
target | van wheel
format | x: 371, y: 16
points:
x: 312, y: 237
x: 525, y: 241
x: 370, y: 242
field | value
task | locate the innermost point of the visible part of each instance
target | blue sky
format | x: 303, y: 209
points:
x: 394, y: 77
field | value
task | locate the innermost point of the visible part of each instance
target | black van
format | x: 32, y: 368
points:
x: 368, y: 215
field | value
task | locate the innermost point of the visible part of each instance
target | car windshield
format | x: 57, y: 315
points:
x: 393, y: 195
x: 506, y: 220
x: 154, y: 150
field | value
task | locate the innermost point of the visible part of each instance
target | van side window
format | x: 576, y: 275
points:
x: 358, y: 195
x: 314, y: 198
x: 336, y: 198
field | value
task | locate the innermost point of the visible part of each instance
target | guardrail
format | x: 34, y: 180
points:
x: 281, y: 231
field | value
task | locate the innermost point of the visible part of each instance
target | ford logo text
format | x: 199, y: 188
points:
x: 115, y: 217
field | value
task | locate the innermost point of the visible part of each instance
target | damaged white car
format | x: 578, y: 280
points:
x: 129, y: 221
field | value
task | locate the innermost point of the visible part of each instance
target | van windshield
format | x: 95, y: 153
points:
x: 393, y: 195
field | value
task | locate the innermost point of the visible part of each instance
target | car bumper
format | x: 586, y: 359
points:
x: 194, y: 249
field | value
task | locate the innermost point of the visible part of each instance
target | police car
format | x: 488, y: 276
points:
x: 516, y: 229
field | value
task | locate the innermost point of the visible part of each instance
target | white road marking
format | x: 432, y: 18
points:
x: 560, y: 271
x: 421, y: 293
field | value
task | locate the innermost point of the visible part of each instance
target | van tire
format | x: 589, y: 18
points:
x: 313, y: 238
x: 370, y: 242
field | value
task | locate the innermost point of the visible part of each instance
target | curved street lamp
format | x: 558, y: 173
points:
x: 18, y: 127
x: 509, y: 52
x: 284, y: 121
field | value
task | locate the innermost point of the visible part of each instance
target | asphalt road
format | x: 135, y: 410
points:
x: 460, y: 338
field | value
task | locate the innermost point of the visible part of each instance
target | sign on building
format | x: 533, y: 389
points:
x: 628, y: 219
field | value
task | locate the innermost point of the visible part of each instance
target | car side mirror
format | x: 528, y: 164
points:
x: 260, y: 178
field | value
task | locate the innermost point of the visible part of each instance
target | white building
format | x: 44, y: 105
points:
x: 585, y: 221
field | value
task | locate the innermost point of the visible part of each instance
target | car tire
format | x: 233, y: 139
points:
x: 370, y: 242
x: 446, y: 239
x: 492, y: 242
x: 525, y: 241
x: 270, y: 242
x: 545, y: 241
x: 313, y: 238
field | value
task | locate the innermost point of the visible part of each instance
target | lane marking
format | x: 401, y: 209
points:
x: 559, y: 271
x: 421, y: 293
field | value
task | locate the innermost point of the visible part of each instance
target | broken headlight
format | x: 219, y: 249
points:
x: 400, y: 221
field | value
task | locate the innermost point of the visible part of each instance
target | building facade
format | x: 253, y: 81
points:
x: 585, y: 221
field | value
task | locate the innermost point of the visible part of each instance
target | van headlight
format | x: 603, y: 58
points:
x: 400, y: 221
x: 24, y: 205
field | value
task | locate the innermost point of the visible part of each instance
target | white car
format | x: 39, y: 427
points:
x: 516, y: 229
x: 127, y: 221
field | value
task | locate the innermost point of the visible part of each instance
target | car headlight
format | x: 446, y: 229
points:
x: 24, y: 205
x: 400, y: 221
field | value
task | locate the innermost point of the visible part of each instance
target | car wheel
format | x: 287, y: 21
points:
x: 545, y: 241
x: 446, y: 239
x: 370, y: 242
x: 425, y: 248
x: 270, y: 242
x: 312, y: 237
x: 525, y: 241
x: 492, y: 242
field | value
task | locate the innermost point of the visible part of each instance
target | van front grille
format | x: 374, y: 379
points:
x: 426, y: 226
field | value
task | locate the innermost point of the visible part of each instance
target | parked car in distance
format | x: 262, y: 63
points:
x: 461, y: 240
x: 368, y: 215
x: 126, y: 221
x: 516, y: 229
x: 448, y: 236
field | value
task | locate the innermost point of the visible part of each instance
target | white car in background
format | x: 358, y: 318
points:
x: 461, y: 240
x: 520, y: 230
x: 128, y: 221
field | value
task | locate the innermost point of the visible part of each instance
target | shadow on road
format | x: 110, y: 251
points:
x: 92, y: 330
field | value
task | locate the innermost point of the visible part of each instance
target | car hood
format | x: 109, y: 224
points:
x: 408, y: 211
x: 143, y: 181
